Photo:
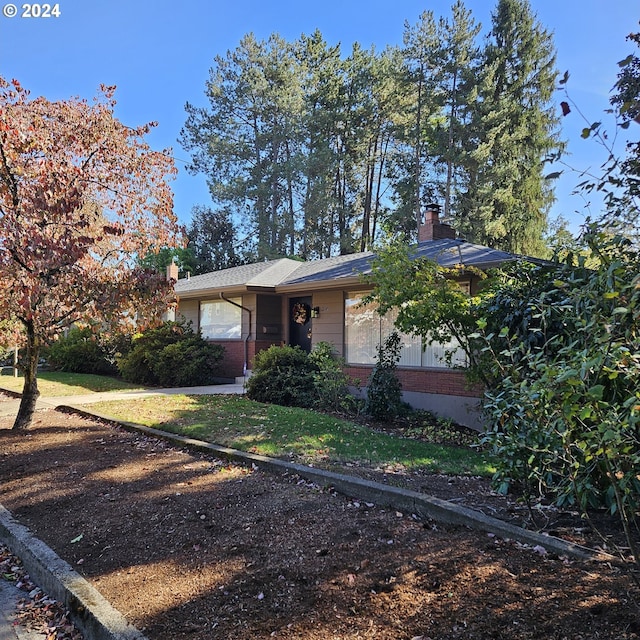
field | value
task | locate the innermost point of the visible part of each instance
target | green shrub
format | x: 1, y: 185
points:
x: 283, y: 375
x: 330, y: 381
x: 564, y: 420
x: 289, y: 376
x: 384, y: 391
x: 171, y: 355
x: 81, y: 351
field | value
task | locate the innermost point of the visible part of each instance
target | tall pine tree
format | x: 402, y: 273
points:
x: 315, y: 154
x: 440, y: 58
x: 422, y: 56
x: 456, y: 81
x: 515, y: 128
x: 247, y: 141
x: 321, y: 78
x: 212, y: 241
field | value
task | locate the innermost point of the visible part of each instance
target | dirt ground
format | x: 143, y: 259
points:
x: 186, y: 546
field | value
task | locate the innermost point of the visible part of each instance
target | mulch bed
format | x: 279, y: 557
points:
x: 187, y: 546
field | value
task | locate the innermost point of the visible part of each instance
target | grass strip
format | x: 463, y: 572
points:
x: 59, y: 383
x: 292, y: 433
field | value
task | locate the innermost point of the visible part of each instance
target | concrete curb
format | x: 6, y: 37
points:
x: 422, y: 505
x: 91, y: 612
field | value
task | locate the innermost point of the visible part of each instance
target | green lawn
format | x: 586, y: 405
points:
x: 289, y: 432
x: 297, y: 434
x: 59, y: 383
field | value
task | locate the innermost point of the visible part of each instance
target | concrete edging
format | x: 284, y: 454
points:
x: 97, y: 619
x: 420, y: 504
x: 94, y: 616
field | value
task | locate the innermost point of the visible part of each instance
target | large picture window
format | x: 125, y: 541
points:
x: 365, y: 329
x: 221, y: 320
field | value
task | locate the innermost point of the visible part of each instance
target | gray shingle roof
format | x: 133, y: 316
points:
x: 286, y: 272
x: 447, y: 253
x: 260, y: 274
x: 332, y: 268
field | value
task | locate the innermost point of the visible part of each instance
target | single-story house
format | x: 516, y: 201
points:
x: 253, y: 306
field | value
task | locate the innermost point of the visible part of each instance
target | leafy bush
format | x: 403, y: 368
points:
x: 565, y: 416
x: 11, y: 335
x: 283, y: 375
x: 289, y: 376
x: 384, y: 391
x: 81, y: 351
x: 6, y: 356
x: 557, y: 347
x: 330, y: 381
x: 171, y: 355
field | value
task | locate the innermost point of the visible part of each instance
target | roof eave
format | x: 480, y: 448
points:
x: 317, y: 285
x: 210, y: 291
x: 258, y: 288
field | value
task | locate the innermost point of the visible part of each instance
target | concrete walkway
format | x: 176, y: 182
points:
x: 10, y: 407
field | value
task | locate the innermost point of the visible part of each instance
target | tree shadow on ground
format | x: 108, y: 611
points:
x: 189, y: 546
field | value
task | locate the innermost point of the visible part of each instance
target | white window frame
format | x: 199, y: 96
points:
x: 220, y: 319
x: 363, y: 337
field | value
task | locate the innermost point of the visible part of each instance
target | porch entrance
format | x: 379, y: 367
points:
x: 300, y: 323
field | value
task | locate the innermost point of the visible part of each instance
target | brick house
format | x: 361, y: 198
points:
x: 250, y: 307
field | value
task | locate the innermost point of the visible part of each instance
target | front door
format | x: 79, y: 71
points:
x: 300, y: 323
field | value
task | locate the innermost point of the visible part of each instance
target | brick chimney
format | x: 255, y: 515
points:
x: 172, y: 271
x: 431, y: 228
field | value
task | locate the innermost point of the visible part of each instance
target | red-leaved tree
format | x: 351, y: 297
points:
x: 81, y: 195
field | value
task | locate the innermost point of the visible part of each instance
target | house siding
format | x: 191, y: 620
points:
x: 266, y: 328
x: 267, y: 288
x: 329, y: 325
x: 434, y: 389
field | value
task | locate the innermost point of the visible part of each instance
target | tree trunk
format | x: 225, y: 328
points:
x: 454, y: 97
x: 418, y: 153
x: 30, y: 391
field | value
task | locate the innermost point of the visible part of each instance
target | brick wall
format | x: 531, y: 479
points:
x: 233, y: 361
x: 438, y: 381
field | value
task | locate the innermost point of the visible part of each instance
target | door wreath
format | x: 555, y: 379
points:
x: 300, y: 313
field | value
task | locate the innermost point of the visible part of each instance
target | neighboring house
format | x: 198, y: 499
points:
x: 248, y: 308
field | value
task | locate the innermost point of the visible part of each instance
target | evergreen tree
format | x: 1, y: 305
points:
x: 160, y: 260
x: 457, y: 81
x: 515, y: 129
x: 212, y: 241
x: 246, y: 141
x: 421, y: 54
x: 322, y: 82
x: 440, y: 59
x: 371, y: 124
x: 358, y: 106
x: 315, y: 155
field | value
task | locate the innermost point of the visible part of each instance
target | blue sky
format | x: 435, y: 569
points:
x: 158, y: 53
